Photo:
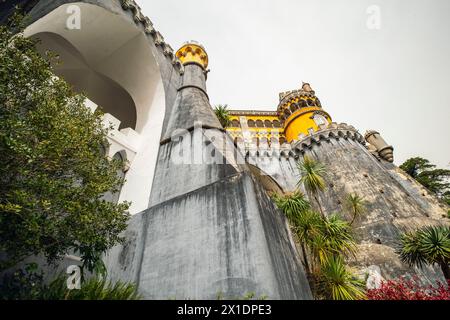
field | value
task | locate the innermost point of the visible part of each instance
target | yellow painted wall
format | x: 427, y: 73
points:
x: 300, y: 124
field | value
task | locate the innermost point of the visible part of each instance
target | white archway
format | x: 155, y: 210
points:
x: 111, y: 60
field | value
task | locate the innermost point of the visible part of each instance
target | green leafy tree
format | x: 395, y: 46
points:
x: 435, y: 180
x: 337, y: 283
x: 356, y: 205
x: 312, y: 174
x: 53, y: 175
x: 429, y: 245
x: 223, y: 114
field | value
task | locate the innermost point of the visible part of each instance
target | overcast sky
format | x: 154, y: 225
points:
x: 395, y: 79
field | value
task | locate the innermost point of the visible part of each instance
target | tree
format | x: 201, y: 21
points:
x: 223, y: 114
x: 356, y: 205
x: 53, y: 174
x: 337, y: 283
x: 435, y: 180
x: 429, y: 245
x: 312, y: 175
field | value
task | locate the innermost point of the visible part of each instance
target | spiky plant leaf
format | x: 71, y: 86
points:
x: 312, y: 174
x: 337, y: 283
x: 223, y: 114
x: 292, y: 204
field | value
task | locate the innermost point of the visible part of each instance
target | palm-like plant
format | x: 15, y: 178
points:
x: 429, y: 245
x: 292, y: 204
x: 92, y: 289
x: 356, y: 205
x: 223, y: 114
x: 339, y: 236
x: 334, y: 239
x: 312, y: 174
x: 337, y: 283
x: 308, y: 226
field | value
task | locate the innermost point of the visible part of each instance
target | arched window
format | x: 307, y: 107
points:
x: 320, y: 119
x: 259, y: 124
x: 311, y: 102
x: 251, y: 123
x: 268, y: 124
x: 277, y: 124
x: 235, y: 123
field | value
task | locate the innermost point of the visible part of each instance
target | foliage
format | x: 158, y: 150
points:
x: 404, y: 289
x: 92, y: 289
x: 292, y: 204
x: 356, y: 205
x: 323, y: 240
x: 435, y: 180
x: 335, y: 282
x: 23, y: 284
x: 223, y: 114
x: 428, y: 245
x: 312, y: 174
x: 29, y: 285
x: 53, y: 174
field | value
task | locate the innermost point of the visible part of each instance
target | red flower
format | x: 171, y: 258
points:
x: 404, y: 289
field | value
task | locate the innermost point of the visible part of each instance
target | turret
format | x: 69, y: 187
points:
x: 378, y: 144
x: 192, y: 105
x: 301, y: 113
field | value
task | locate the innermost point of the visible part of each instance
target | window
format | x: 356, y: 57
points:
x: 235, y: 123
x: 320, y: 119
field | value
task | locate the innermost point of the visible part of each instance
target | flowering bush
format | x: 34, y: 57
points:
x: 404, y: 289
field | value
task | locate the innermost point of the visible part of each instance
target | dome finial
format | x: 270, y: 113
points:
x: 306, y: 87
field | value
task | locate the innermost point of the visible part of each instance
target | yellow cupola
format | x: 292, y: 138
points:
x: 193, y: 53
x: 301, y: 113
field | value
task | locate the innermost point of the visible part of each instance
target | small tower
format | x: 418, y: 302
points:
x: 301, y: 113
x: 193, y: 52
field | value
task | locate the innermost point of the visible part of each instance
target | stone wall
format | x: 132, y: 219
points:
x: 395, y: 203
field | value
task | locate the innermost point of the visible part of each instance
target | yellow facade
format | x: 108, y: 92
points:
x: 299, y: 114
x: 193, y: 53
x: 302, y: 122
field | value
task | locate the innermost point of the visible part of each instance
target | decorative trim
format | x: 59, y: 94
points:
x: 298, y: 148
x: 158, y: 39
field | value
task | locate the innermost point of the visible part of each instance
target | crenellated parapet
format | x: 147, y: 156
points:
x: 158, y: 39
x: 296, y: 149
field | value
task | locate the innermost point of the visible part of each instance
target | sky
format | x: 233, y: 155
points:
x: 378, y: 64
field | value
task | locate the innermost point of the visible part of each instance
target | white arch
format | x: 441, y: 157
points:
x: 113, y: 47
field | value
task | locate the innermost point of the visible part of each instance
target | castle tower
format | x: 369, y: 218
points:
x: 301, y: 113
x: 354, y: 164
x: 211, y: 228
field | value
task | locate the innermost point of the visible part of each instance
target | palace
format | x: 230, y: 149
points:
x: 203, y: 228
